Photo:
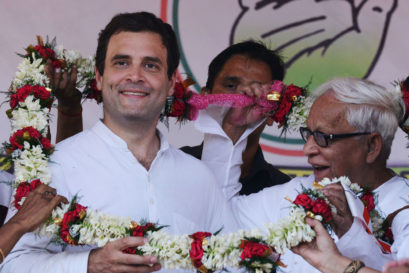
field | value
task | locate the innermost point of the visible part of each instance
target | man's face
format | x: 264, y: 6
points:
x: 240, y: 72
x: 344, y: 156
x: 135, y: 82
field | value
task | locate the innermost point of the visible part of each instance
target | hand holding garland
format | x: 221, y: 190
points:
x: 342, y: 219
x: 237, y: 119
x: 111, y: 258
x: 36, y: 209
x: 322, y: 253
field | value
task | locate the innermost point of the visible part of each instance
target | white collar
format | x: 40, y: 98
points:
x: 210, y: 122
x: 114, y: 140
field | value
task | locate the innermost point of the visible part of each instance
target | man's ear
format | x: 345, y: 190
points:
x: 374, y: 144
x: 172, y: 82
x: 98, y: 78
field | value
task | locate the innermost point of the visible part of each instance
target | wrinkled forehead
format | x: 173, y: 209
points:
x: 328, y: 114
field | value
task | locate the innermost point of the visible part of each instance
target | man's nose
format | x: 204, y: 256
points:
x: 310, y: 147
x: 135, y: 73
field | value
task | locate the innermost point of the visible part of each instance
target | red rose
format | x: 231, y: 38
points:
x: 292, y: 91
x: 179, y: 91
x: 321, y: 207
x: 57, y: 64
x: 141, y: 230
x: 178, y: 108
x: 23, y: 190
x: 35, y: 183
x: 45, y: 52
x: 69, y: 218
x: 34, y: 133
x: 253, y: 249
x: 388, y: 234
x: 200, y: 235
x: 13, y: 101
x: 367, y: 199
x: 46, y: 143
x: 130, y: 250
x: 304, y: 200
x: 21, y: 94
x: 196, y: 250
x: 14, y: 142
x: 138, y: 231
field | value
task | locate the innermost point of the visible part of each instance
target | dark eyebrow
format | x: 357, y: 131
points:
x: 237, y: 80
x: 152, y: 59
x: 231, y: 79
x: 120, y: 57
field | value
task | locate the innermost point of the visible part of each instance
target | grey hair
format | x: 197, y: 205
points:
x: 373, y: 108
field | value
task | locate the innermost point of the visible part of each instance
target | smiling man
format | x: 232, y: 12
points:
x: 349, y: 132
x: 123, y: 165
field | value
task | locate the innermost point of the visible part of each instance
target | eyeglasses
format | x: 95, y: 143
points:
x: 322, y: 139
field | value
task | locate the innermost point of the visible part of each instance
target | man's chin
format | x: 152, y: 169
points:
x: 320, y: 174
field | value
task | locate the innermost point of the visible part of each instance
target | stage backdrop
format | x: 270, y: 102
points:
x: 317, y: 39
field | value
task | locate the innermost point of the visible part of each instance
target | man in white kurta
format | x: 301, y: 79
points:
x: 177, y: 191
x: 362, y: 158
x: 123, y: 165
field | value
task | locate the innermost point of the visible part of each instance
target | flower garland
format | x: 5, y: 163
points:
x: 308, y: 200
x: 381, y: 229
x: 31, y: 69
x: 287, y: 105
x: 75, y: 224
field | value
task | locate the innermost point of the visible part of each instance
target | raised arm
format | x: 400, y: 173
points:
x: 69, y: 120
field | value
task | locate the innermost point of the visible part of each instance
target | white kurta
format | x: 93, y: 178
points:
x: 178, y: 190
x: 220, y: 154
x: 6, y: 181
x: 269, y: 205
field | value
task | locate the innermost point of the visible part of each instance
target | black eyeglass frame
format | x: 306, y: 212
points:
x: 318, y: 135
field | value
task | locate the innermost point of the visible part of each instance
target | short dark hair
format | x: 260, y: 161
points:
x: 254, y: 50
x: 138, y: 22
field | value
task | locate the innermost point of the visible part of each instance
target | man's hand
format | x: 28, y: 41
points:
x: 238, y: 119
x: 400, y: 266
x: 37, y: 208
x: 342, y: 220
x: 64, y: 88
x: 322, y: 252
x: 110, y: 258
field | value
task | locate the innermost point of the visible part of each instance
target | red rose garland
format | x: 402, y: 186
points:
x: 257, y: 251
x: 368, y: 199
x: 315, y: 203
x: 180, y: 108
x: 288, y: 96
x: 254, y: 249
x: 139, y: 231
x: 39, y: 92
x: 44, y: 52
x: 73, y: 216
x: 23, y: 190
x: 30, y: 135
x: 196, y: 250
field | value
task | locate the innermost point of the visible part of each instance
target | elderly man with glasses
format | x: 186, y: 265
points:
x: 349, y: 132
